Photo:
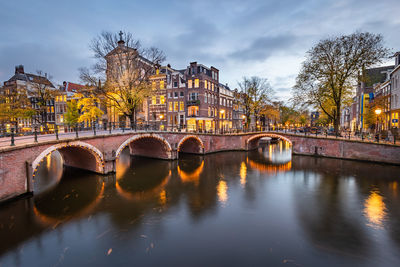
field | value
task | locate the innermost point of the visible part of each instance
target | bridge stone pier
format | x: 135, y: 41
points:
x: 18, y: 164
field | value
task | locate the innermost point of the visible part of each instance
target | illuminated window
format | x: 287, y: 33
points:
x: 181, y: 106
x: 205, y: 84
x: 52, y: 109
x: 196, y: 83
x: 209, y: 111
x: 153, y: 100
x: 212, y: 87
x: 169, y: 106
x: 189, y: 83
x: 161, y: 84
x: 176, y: 106
x: 162, y: 99
x: 153, y: 85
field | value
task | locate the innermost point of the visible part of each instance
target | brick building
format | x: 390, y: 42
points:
x: 35, y: 87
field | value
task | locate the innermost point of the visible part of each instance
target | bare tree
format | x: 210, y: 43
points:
x: 41, y: 93
x: 124, y: 67
x: 256, y: 92
x: 328, y: 75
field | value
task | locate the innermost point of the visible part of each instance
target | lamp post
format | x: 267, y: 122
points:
x: 244, y: 121
x: 378, y: 111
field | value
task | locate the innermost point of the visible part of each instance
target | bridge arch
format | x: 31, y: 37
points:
x: 75, y: 154
x: 148, y: 145
x: 191, y: 144
x: 252, y: 142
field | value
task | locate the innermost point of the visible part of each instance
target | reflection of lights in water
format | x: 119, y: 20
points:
x: 243, y: 173
x: 122, y: 163
x: 163, y: 197
x: 375, y: 209
x: 270, y: 168
x: 191, y: 176
x: 394, y: 186
x: 283, y: 155
x: 222, y: 191
x: 142, y: 194
x: 46, y: 219
x: 48, y: 174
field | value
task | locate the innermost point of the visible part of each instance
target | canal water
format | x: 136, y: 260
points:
x: 259, y: 208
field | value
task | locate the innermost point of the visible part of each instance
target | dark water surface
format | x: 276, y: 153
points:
x: 262, y: 208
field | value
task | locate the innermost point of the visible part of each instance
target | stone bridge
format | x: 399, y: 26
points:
x: 18, y: 164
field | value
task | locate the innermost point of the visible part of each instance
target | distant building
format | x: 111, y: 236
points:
x: 395, y: 93
x: 365, y: 91
x: 31, y: 84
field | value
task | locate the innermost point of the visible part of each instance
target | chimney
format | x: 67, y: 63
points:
x: 19, y: 69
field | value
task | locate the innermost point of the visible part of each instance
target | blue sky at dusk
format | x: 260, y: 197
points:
x: 240, y: 38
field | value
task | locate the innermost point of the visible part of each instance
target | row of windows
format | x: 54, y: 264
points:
x: 173, y: 106
x: 61, y: 98
x: 155, y: 100
x: 175, y: 94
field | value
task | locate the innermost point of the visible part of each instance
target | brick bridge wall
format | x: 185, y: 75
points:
x: 18, y: 164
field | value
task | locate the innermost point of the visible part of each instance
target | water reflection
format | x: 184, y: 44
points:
x: 375, y: 209
x: 49, y: 173
x: 222, y: 190
x: 145, y: 179
x: 255, y: 208
x: 243, y: 173
x: 72, y: 197
x: 190, y: 168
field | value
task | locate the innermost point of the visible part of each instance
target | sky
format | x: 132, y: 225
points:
x: 265, y: 38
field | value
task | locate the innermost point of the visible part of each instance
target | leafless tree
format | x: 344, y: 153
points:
x: 331, y: 69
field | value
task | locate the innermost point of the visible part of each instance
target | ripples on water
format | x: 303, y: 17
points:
x: 226, y: 209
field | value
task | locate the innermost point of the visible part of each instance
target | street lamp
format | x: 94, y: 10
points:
x: 378, y: 111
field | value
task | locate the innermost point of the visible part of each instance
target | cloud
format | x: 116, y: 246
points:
x: 263, y: 47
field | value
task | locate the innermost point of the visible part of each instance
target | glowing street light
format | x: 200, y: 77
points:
x: 378, y: 111
x: 161, y: 116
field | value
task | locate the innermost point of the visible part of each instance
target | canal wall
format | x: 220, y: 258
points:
x: 345, y: 149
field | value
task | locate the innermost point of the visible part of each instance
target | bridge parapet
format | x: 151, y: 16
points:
x: 99, y: 153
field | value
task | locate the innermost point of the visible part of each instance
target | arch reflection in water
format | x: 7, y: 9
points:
x: 190, y: 168
x: 145, y: 180
x: 49, y: 173
x: 71, y: 197
x: 271, y: 158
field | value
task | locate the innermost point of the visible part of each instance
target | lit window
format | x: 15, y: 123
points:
x: 153, y: 100
x: 176, y: 106
x: 205, y: 84
x: 189, y: 83
x: 181, y: 106
x: 153, y: 85
x: 196, y: 83
x: 212, y: 87
x: 162, y: 99
x: 169, y: 106
x: 161, y: 84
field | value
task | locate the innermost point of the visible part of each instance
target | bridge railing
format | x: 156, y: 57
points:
x: 67, y: 132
